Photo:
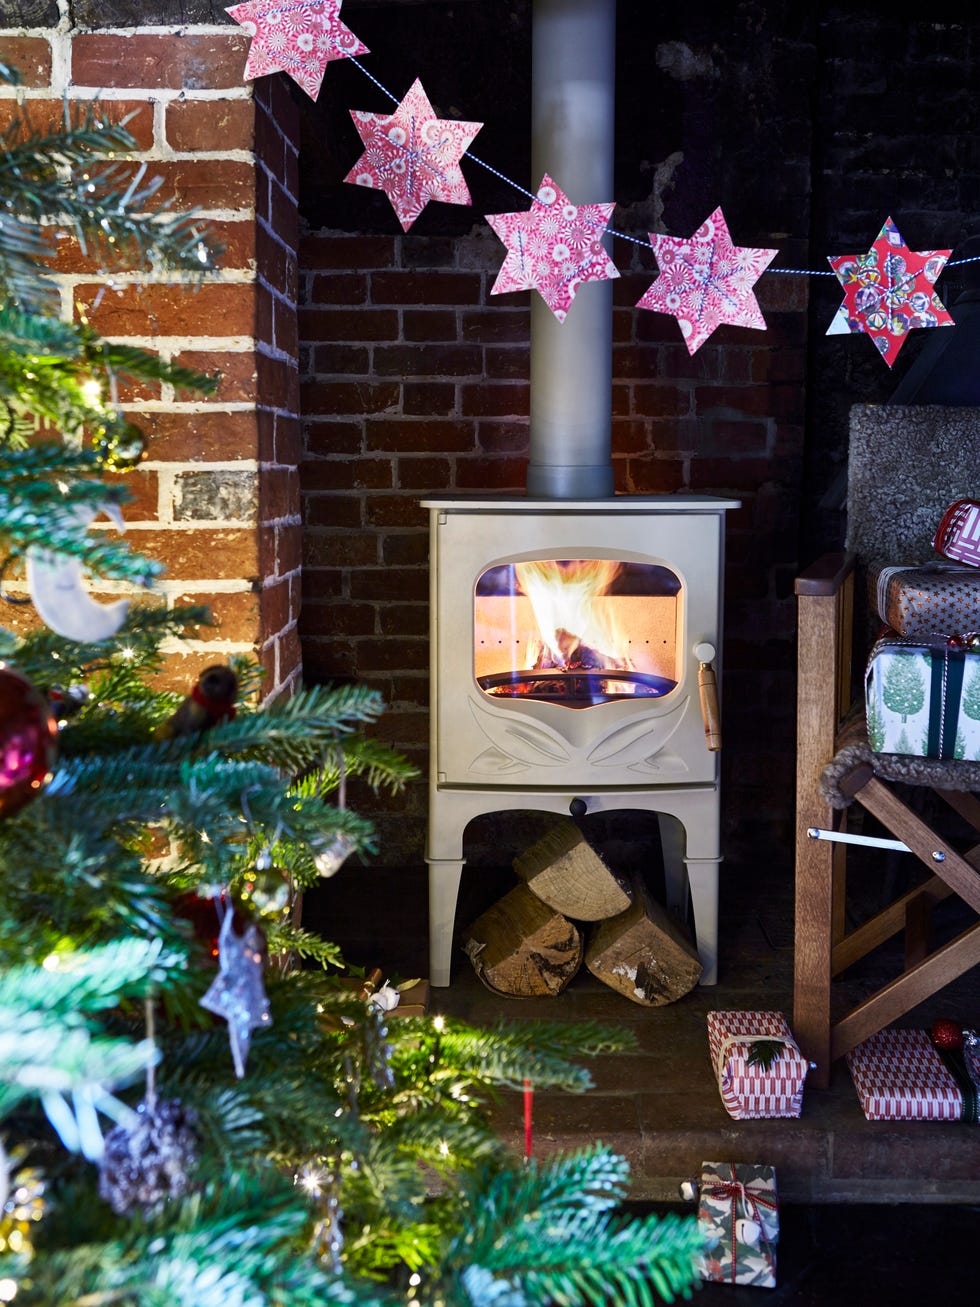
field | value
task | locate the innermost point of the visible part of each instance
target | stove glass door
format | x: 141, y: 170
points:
x: 576, y: 631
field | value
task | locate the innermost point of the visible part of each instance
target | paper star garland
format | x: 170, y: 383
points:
x: 889, y: 290
x: 706, y: 280
x: 237, y: 992
x: 412, y: 155
x: 298, y: 37
x: 553, y: 247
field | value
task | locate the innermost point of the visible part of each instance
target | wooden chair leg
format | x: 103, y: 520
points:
x: 813, y: 952
x: 919, y: 935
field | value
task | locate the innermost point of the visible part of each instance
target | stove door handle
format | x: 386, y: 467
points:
x: 708, y: 693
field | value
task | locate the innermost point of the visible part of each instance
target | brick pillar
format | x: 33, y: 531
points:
x: 216, y: 497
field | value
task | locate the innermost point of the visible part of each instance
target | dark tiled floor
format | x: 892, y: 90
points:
x: 659, y: 1105
x: 866, y: 1256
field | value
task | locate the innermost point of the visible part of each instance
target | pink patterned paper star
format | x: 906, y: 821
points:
x: 298, y: 37
x: 889, y: 290
x: 412, y: 155
x: 705, y: 280
x: 553, y: 247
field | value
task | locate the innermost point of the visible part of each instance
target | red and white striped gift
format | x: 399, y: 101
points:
x: 958, y: 534
x: 899, y: 1076
x: 749, y: 1090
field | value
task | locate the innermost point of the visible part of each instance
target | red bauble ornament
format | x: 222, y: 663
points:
x: 947, y: 1034
x: 28, y: 741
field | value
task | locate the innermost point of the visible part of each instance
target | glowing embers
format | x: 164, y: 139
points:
x: 576, y: 631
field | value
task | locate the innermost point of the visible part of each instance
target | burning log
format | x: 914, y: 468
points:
x: 521, y: 948
x: 568, y: 874
x: 643, y: 953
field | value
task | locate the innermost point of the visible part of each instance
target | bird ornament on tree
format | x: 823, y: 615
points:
x: 211, y: 701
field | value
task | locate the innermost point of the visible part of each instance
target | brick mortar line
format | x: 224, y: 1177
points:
x: 188, y: 646
x: 137, y: 277
x: 226, y: 465
x: 226, y: 587
x: 153, y: 95
x: 199, y: 344
x: 189, y: 409
x: 157, y: 29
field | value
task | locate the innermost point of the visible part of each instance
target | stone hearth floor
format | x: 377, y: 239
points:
x: 658, y: 1105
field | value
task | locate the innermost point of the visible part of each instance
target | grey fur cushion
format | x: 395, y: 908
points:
x: 940, y: 774
x: 906, y: 465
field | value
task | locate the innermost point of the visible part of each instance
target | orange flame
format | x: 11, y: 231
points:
x: 566, y: 600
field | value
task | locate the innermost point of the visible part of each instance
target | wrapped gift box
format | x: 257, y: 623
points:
x: 922, y: 697
x: 748, y: 1089
x: 900, y: 1076
x: 958, y: 534
x: 738, y: 1215
x: 939, y: 598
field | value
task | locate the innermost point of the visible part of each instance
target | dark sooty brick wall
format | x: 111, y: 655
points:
x: 809, y: 126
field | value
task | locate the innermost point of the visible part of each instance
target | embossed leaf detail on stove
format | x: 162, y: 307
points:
x: 637, y: 740
x: 520, y: 740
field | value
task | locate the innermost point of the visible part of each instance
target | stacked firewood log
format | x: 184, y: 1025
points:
x: 568, y: 908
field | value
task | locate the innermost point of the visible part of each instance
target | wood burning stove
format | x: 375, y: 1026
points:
x: 569, y: 639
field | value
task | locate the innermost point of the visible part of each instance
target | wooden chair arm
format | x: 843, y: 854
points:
x: 826, y: 576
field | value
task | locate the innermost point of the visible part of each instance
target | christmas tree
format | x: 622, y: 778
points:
x: 196, y: 1105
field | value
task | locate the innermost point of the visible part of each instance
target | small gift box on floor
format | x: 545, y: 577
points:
x: 738, y: 1215
x: 900, y: 1075
x: 759, y: 1069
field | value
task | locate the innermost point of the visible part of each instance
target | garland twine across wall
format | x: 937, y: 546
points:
x: 555, y: 246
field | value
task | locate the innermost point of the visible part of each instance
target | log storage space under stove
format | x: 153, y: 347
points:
x: 570, y: 908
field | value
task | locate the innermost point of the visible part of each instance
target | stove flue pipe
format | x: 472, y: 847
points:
x: 572, y: 111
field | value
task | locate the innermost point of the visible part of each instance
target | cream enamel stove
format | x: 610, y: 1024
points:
x: 568, y: 643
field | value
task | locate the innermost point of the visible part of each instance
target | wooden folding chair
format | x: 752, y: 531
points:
x: 906, y: 464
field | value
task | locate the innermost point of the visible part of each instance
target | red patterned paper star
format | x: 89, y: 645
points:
x: 705, y: 280
x: 889, y: 290
x: 553, y: 247
x: 298, y: 37
x: 412, y: 155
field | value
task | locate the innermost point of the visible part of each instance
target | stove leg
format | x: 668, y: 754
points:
x: 673, y: 842
x: 702, y: 875
x: 444, y: 878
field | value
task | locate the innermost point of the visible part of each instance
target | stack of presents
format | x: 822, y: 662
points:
x: 898, y: 1074
x: 922, y: 696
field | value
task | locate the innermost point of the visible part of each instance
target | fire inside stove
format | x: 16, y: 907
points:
x: 576, y: 631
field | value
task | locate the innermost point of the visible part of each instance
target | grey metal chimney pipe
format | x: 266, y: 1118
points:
x: 572, y: 112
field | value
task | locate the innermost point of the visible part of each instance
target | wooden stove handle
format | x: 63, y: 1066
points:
x: 708, y: 693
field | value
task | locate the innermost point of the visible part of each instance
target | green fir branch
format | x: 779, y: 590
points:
x: 547, y: 1234
x: 236, y: 1243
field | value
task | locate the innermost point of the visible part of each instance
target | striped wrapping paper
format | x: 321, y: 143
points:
x: 899, y: 1076
x: 958, y: 534
x: 749, y: 1091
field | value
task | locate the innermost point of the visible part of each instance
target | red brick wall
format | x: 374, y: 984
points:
x: 216, y: 498
x: 415, y: 381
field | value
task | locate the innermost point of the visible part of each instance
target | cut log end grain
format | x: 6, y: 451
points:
x: 521, y: 948
x: 568, y: 874
x: 643, y: 953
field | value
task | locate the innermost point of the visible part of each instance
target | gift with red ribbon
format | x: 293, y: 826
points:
x: 738, y: 1215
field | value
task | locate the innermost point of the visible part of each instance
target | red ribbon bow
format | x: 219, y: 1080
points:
x: 736, y: 1190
